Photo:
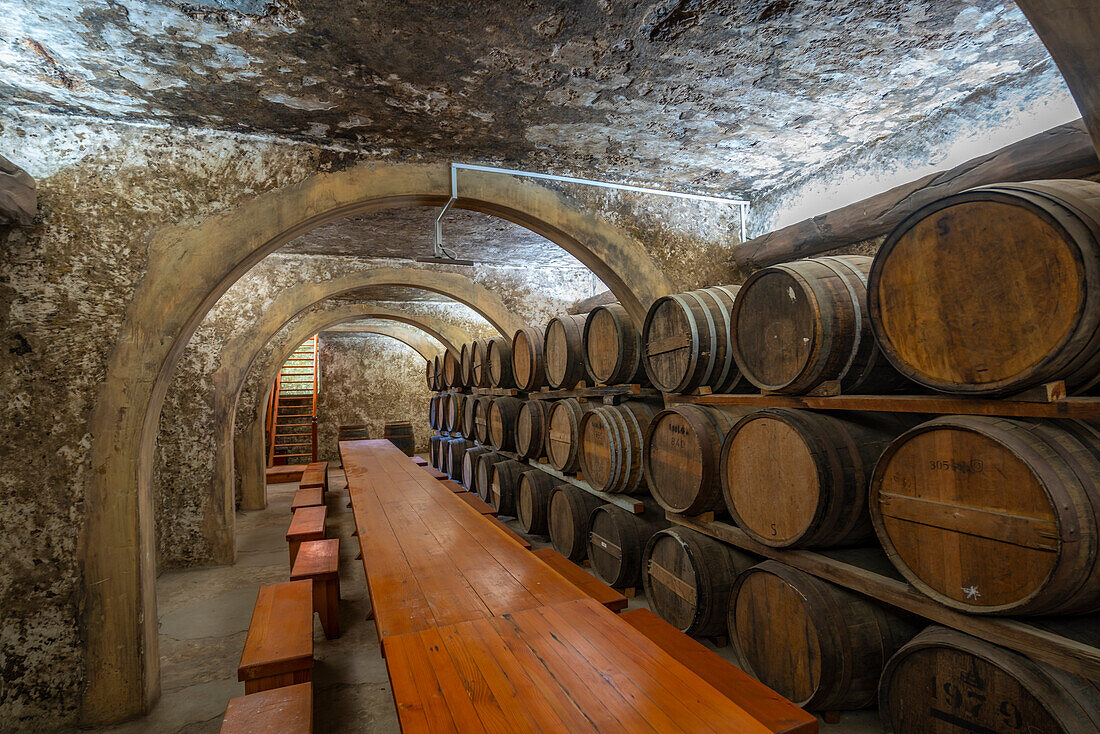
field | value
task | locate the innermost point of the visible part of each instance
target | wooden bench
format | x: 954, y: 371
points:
x: 774, y: 712
x: 477, y: 503
x: 319, y: 562
x: 583, y: 580
x: 452, y: 485
x: 284, y: 473
x: 315, y: 475
x: 279, y: 648
x: 308, y: 497
x: 278, y: 711
x: 308, y: 523
x: 436, y: 473
x: 420, y: 461
x: 509, y: 532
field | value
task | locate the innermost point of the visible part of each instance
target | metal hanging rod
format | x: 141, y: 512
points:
x: 440, y: 252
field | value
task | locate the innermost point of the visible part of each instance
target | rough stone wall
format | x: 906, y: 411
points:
x: 369, y: 379
x: 65, y: 282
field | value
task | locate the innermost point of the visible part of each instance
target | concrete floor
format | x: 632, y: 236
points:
x: 204, y: 616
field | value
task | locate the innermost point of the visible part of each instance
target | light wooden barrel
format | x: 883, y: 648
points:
x: 452, y: 370
x: 818, y: 645
x: 994, y: 290
x: 455, y: 407
x: 481, y: 418
x: 612, y: 347
x: 681, y: 449
x: 466, y: 363
x: 798, y: 479
x: 528, y: 361
x: 454, y: 451
x: 610, y: 453
x: 400, y: 434
x: 434, y: 411
x: 479, y: 363
x: 502, y: 423
x: 616, y: 541
x: 686, y: 340
x: 435, y: 455
x: 688, y: 578
x: 469, y: 466
x: 563, y: 423
x: 563, y: 349
x: 569, y: 511
x: 803, y: 323
x: 943, y: 681
x: 499, y: 354
x: 484, y: 473
x: 504, y: 477
x: 533, y: 501
x: 531, y: 428
x: 994, y: 515
x: 469, y: 423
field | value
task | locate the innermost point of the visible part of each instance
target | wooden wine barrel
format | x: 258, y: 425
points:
x: 813, y: 642
x: 504, y: 479
x: 434, y: 410
x: 613, y: 347
x: 440, y: 377
x: 429, y: 373
x: 616, y: 541
x: 503, y: 412
x: 798, y: 479
x: 456, y: 406
x: 469, y: 466
x: 400, y: 434
x: 994, y: 515
x: 481, y: 419
x: 484, y: 474
x: 434, y: 452
x: 479, y: 369
x: 800, y: 324
x: 533, y: 501
x: 994, y: 290
x: 563, y: 349
x: 531, y: 428
x: 454, y: 451
x: 563, y: 434
x: 466, y: 363
x: 688, y: 577
x: 528, y: 362
x: 680, y: 456
x: 943, y: 681
x: 686, y: 340
x: 610, y: 453
x: 500, y: 362
x: 469, y: 424
x: 569, y: 511
x: 452, y: 371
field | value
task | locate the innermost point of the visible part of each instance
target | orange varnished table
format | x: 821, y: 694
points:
x: 570, y: 667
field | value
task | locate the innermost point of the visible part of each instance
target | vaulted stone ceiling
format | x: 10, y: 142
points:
x: 727, y: 97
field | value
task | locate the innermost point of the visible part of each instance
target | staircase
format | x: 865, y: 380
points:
x: 292, y: 412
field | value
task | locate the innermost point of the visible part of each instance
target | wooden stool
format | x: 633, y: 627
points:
x: 286, y: 709
x: 583, y: 580
x: 315, y: 475
x: 319, y: 561
x: 279, y: 648
x: 308, y: 497
x: 308, y: 524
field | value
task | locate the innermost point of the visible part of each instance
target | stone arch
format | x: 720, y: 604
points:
x: 412, y: 338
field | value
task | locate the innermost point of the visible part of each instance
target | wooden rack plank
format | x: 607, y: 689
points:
x: 1068, y: 643
x: 632, y: 505
x: 1084, y: 407
x: 598, y: 391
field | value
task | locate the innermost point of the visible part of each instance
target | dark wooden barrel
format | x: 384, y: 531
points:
x: 681, y: 448
x: 688, y: 578
x: 469, y: 425
x: 612, y: 347
x: 452, y: 370
x: 479, y: 370
x: 531, y: 428
x: 563, y: 434
x: 500, y: 362
x: 616, y: 541
x: 800, y: 324
x: 454, y: 451
x: 455, y: 406
x: 611, y: 440
x: 569, y: 511
x: 533, y: 501
x: 469, y: 466
x: 563, y: 349
x: 504, y: 486
x: 466, y: 363
x: 686, y: 341
x: 798, y: 479
x: 429, y: 373
x: 946, y: 681
x: 994, y: 290
x: 484, y: 473
x: 400, y: 434
x: 528, y: 361
x: 433, y: 411
x: 813, y: 642
x: 994, y: 515
x: 503, y: 412
x: 434, y: 453
x: 481, y: 418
